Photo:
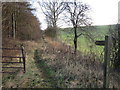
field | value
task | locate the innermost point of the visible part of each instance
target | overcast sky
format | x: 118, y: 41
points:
x: 103, y: 12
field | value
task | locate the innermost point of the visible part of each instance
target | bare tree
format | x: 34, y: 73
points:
x: 77, y: 15
x: 52, y: 11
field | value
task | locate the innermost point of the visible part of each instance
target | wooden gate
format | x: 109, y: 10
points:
x: 18, y: 60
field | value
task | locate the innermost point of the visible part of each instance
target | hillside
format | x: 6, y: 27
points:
x: 51, y: 62
x: 96, y: 31
x: 85, y: 43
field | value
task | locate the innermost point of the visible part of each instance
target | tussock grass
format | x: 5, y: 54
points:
x: 71, y: 71
x: 52, y: 64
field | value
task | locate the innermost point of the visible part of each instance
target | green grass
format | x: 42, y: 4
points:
x: 49, y: 72
x: 85, y: 45
x: 34, y: 76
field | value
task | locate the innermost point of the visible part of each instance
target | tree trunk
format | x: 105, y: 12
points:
x: 75, y: 40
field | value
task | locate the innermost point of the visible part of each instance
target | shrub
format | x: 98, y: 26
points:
x: 51, y: 32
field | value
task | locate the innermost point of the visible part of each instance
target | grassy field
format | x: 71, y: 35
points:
x: 85, y: 45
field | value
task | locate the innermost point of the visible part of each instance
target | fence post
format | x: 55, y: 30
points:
x: 106, y: 62
x: 23, y: 55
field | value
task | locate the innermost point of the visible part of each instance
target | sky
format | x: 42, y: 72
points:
x: 103, y: 12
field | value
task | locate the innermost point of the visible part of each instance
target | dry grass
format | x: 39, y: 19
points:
x: 67, y: 70
x: 33, y: 78
x: 75, y: 71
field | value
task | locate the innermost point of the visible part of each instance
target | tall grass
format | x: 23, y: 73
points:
x: 71, y: 72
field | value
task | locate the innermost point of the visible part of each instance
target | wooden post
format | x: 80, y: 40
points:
x: 107, y: 46
x: 14, y: 25
x: 106, y: 62
x: 23, y: 55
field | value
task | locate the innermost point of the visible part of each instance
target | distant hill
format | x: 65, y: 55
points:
x: 66, y: 35
x: 96, y: 31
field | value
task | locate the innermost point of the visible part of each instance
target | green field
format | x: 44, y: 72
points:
x: 85, y: 44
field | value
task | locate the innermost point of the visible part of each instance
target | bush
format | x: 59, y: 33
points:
x: 51, y: 32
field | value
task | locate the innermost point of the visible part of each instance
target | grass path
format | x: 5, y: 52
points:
x: 34, y: 77
x: 79, y: 71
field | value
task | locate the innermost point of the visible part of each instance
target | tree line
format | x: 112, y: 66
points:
x: 18, y: 22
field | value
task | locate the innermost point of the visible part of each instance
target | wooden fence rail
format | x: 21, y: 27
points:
x: 23, y: 58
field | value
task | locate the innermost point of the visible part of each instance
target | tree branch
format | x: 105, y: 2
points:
x: 79, y: 35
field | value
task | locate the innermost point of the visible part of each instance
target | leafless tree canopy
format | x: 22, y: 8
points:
x: 77, y: 15
x: 52, y: 11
